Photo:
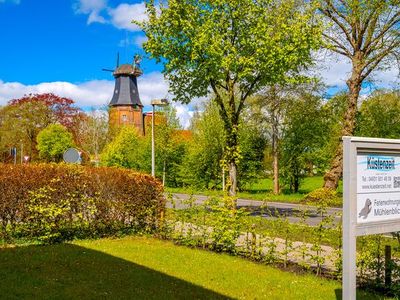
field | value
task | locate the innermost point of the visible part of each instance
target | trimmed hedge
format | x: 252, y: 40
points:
x: 53, y: 202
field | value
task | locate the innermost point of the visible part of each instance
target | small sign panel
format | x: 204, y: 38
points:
x: 72, y: 156
x: 378, y: 187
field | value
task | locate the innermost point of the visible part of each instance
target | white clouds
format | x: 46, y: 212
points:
x: 91, y: 93
x: 332, y: 69
x: 95, y: 93
x: 139, y: 40
x: 388, y: 78
x: 121, y: 17
x: 93, y: 8
x: 152, y: 86
x: 183, y: 113
x: 335, y: 70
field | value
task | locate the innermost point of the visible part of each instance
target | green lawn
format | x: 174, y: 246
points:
x: 262, y: 190
x: 147, y: 268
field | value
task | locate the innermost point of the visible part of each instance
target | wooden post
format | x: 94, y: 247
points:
x: 388, y: 266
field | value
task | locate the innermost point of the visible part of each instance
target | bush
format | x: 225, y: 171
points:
x: 323, y: 196
x: 53, y: 203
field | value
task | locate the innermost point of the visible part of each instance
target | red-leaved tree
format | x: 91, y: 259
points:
x: 62, y: 108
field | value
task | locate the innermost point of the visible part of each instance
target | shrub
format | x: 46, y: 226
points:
x: 58, y: 202
x: 53, y: 141
x: 323, y: 196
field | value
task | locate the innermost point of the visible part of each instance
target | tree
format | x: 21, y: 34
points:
x: 304, y: 136
x: 269, y: 108
x: 62, y: 109
x: 170, y: 145
x: 379, y: 115
x: 22, y: 119
x: 21, y: 123
x: 367, y: 33
x: 232, y: 47
x: 125, y: 150
x: 201, y: 167
x: 203, y: 164
x: 92, y: 132
x: 53, y: 141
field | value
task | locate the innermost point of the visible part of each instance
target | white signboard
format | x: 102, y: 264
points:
x: 378, y: 187
x: 371, y: 197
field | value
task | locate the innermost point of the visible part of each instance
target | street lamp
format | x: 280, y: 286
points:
x: 154, y: 103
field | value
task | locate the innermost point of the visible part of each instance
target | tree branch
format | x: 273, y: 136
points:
x: 220, y: 103
x: 343, y: 51
x: 329, y: 14
x: 373, y: 41
x: 372, y: 63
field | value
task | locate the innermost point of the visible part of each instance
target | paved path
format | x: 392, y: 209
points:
x: 292, y: 211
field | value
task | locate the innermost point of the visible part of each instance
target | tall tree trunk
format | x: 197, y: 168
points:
x: 232, y: 178
x: 275, y: 151
x: 232, y: 156
x: 333, y: 176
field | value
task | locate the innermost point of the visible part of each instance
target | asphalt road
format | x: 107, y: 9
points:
x: 273, y: 209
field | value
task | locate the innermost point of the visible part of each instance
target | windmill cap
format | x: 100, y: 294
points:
x: 127, y: 69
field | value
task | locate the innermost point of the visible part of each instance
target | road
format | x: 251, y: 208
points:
x: 273, y: 209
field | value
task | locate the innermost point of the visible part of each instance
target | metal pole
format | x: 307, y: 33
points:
x: 153, y: 158
x: 349, y: 234
x: 223, y: 179
x: 22, y: 153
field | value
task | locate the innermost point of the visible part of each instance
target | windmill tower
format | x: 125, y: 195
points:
x: 125, y: 105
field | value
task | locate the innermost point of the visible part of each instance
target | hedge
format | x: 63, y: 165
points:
x: 53, y: 202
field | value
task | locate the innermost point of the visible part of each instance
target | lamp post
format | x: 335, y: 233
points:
x: 154, y: 103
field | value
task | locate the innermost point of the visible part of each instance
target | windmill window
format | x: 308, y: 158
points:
x: 124, y: 118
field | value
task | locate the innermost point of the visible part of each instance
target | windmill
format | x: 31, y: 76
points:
x: 125, y: 105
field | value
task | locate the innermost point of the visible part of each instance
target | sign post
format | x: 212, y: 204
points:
x: 371, y: 196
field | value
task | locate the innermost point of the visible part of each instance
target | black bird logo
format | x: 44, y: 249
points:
x: 366, y: 209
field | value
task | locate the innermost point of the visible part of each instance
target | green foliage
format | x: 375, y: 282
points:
x: 45, y: 217
x: 54, y: 203
x: 205, y: 45
x: 124, y: 150
x: 252, y: 150
x: 203, y: 42
x: 226, y: 224
x: 92, y: 133
x: 324, y: 196
x: 21, y: 124
x: 202, y: 163
x: 22, y: 119
x: 379, y: 115
x: 53, y: 141
x: 304, y: 136
x: 171, y: 145
x: 218, y: 226
x: 204, y: 159
x: 131, y: 150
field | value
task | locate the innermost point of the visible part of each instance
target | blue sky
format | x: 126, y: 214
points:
x: 47, y: 40
x: 60, y: 46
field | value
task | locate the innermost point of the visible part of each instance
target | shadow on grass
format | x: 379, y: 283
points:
x: 72, y: 272
x: 360, y: 295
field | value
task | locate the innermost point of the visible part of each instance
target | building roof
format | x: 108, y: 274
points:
x: 126, y: 92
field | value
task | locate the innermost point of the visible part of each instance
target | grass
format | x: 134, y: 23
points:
x: 262, y: 190
x: 147, y: 268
